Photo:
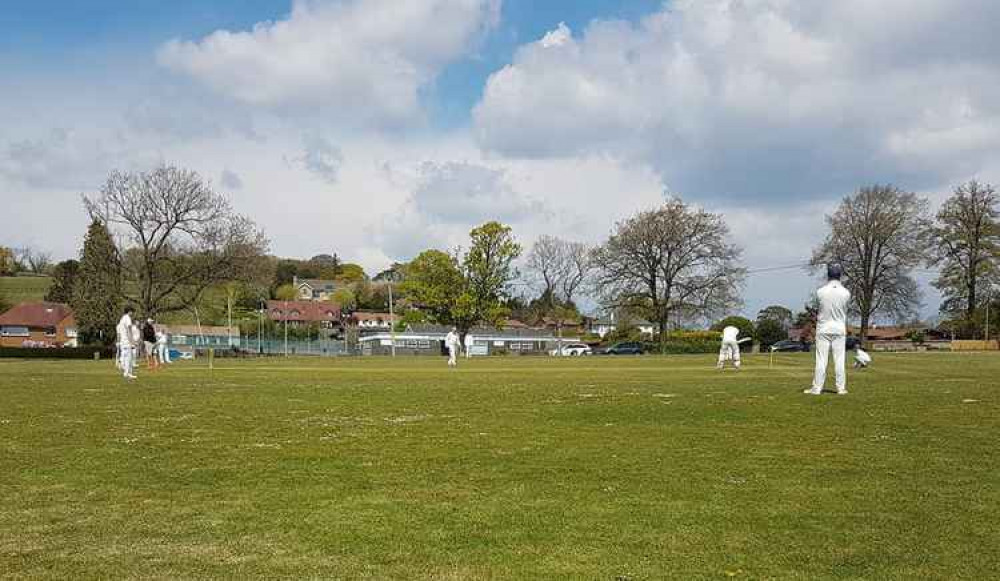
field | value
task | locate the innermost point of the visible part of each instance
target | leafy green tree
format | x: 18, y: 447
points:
x: 351, y: 274
x: 64, y: 277
x: 781, y: 315
x: 770, y: 331
x: 433, y: 284
x: 97, y: 293
x: 745, y: 325
x: 345, y: 298
x: 489, y: 270
x: 8, y: 262
x: 4, y: 303
x: 286, y: 292
x: 470, y: 292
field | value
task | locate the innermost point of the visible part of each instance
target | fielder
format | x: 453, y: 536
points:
x: 453, y: 343
x: 861, y: 358
x: 469, y: 342
x: 831, y: 331
x: 126, y: 351
x: 730, y: 350
x: 149, y: 344
x: 163, y: 354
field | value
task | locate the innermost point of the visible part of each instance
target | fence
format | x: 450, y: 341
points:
x: 991, y: 345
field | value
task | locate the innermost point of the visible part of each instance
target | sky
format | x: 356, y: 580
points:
x: 376, y: 128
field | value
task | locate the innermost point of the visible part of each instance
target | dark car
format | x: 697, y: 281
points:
x: 791, y: 346
x: 851, y: 343
x: 628, y: 348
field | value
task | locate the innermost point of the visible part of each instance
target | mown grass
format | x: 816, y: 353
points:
x: 18, y: 289
x: 594, y: 468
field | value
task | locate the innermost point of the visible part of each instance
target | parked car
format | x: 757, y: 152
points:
x: 789, y: 345
x: 851, y: 343
x: 572, y: 349
x: 626, y: 348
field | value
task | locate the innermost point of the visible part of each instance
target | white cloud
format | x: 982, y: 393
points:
x: 763, y: 100
x: 364, y: 62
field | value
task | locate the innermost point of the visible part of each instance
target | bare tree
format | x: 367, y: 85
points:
x: 32, y: 259
x: 546, y: 265
x: 180, y: 237
x: 877, y: 236
x: 965, y: 244
x: 579, y: 259
x: 674, y: 259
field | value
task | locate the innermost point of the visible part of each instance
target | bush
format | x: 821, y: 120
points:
x: 770, y: 332
x: 56, y: 352
x: 690, y: 342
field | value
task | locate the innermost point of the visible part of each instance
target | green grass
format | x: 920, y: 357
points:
x: 18, y: 289
x: 596, y: 468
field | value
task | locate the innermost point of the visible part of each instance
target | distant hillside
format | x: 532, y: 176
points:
x: 17, y: 289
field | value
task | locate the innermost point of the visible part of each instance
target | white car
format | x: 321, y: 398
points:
x: 570, y: 349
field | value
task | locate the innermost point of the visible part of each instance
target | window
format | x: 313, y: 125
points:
x: 14, y: 332
x: 50, y: 331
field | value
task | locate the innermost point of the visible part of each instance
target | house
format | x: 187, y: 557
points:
x: 326, y: 315
x: 429, y: 340
x: 189, y: 337
x: 38, y: 324
x: 312, y: 289
x: 375, y: 321
x: 602, y: 326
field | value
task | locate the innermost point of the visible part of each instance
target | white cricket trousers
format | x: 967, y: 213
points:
x: 824, y: 344
x: 452, y: 356
x: 126, y: 359
x: 729, y: 350
x: 163, y: 353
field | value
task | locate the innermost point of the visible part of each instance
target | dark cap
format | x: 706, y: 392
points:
x: 834, y: 271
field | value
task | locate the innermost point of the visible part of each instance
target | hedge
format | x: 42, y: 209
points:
x: 55, y: 352
x: 686, y: 342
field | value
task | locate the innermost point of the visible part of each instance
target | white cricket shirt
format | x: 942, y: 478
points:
x: 833, y: 300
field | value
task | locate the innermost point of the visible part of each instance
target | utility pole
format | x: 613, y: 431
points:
x: 285, y: 316
x: 392, y: 318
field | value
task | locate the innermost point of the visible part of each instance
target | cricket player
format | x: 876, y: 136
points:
x: 453, y: 343
x: 469, y: 342
x: 163, y: 354
x: 149, y: 344
x: 126, y: 350
x: 730, y: 349
x: 831, y: 330
x: 861, y: 358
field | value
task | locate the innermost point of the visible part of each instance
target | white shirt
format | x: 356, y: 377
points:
x: 451, y: 340
x: 833, y: 300
x: 468, y: 340
x: 161, y: 338
x: 863, y: 357
x: 730, y: 333
x: 124, y: 330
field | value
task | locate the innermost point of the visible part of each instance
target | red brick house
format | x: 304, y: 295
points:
x: 325, y: 314
x: 38, y: 324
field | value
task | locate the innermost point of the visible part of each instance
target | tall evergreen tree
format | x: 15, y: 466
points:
x: 64, y: 277
x: 97, y: 294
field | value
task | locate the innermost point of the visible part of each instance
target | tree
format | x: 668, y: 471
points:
x: 877, y: 236
x: 8, y: 262
x: 559, y: 267
x: 469, y: 292
x: 350, y: 274
x: 97, y: 293
x: 770, y: 331
x: 489, y: 270
x: 672, y: 259
x: 345, y: 298
x: 64, y: 277
x: 31, y: 259
x: 181, y: 237
x: 4, y: 303
x: 434, y: 283
x: 965, y: 244
x: 286, y: 292
x: 776, y: 313
x: 745, y: 325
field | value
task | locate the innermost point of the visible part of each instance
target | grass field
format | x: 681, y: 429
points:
x: 594, y: 468
x: 17, y: 289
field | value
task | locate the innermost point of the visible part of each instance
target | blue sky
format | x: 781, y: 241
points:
x: 375, y: 128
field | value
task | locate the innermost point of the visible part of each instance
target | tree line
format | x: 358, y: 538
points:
x: 160, y: 240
